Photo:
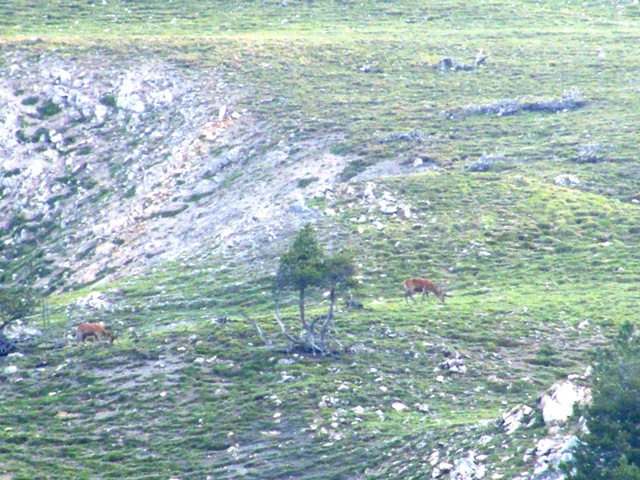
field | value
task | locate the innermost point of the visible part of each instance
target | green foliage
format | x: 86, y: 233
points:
x: 305, y: 265
x: 340, y: 268
x: 48, y: 109
x: 611, y: 449
x: 32, y: 100
x: 302, y: 265
x: 108, y: 100
x: 16, y: 302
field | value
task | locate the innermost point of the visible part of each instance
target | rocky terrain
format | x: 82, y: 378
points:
x: 157, y: 158
x: 113, y: 165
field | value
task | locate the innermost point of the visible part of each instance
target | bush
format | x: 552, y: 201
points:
x: 591, y: 153
x: 611, y: 448
x: 48, y: 109
x: 32, y: 100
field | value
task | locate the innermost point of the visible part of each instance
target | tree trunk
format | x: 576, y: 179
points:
x: 304, y: 323
x: 325, y: 324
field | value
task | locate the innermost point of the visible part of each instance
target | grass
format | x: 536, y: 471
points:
x: 526, y: 261
x: 226, y: 404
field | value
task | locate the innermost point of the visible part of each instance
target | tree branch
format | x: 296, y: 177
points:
x: 257, y: 327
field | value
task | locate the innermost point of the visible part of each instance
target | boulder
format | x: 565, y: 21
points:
x: 557, y: 405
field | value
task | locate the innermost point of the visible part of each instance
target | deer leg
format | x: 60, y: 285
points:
x: 409, y: 294
x: 425, y: 293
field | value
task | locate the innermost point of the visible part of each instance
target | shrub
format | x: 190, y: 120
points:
x: 486, y: 163
x: 108, y: 100
x: 611, y: 448
x: 591, y: 153
x: 48, y: 109
x: 32, y: 100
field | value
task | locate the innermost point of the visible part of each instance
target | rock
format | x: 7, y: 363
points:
x: 11, y: 370
x: 387, y: 208
x: 368, y: 192
x: 95, y: 300
x: 550, y: 452
x: 557, y: 405
x: 445, y: 64
x: 466, y: 469
x: 406, y: 210
x: 514, y: 418
x: 100, y: 112
x: 567, y: 181
x: 222, y: 113
x: 128, y: 99
x: 19, y: 332
x: 358, y: 410
x: 455, y: 365
x: 398, y: 407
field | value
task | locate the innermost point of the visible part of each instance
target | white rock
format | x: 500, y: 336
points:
x: 398, y: 407
x: 406, y: 210
x: 63, y: 76
x: 329, y: 212
x: 368, y: 191
x: 222, y: 113
x: 557, y: 406
x: 11, y: 369
x: 100, y: 111
x: 387, y: 208
x: 513, y: 419
x: 566, y: 181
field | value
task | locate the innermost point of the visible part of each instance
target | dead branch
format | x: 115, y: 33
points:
x: 257, y: 327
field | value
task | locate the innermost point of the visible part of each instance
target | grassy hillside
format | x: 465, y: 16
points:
x: 539, y: 274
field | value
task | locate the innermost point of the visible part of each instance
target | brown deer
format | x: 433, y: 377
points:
x: 93, y: 330
x: 424, y: 286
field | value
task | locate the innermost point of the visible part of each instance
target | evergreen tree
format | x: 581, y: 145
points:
x: 339, y: 269
x: 611, y: 448
x: 302, y: 266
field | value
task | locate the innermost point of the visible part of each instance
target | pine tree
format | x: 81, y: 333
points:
x: 611, y: 449
x: 302, y: 266
x: 305, y: 265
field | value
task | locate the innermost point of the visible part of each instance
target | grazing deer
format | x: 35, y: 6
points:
x: 93, y: 330
x: 421, y: 285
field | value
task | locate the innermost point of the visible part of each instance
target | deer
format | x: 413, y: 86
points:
x: 424, y: 286
x: 95, y: 330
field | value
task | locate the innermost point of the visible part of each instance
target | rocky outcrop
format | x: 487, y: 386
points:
x: 118, y: 163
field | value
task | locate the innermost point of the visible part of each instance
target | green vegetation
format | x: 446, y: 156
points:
x: 540, y: 274
x: 16, y: 302
x: 611, y: 449
x: 301, y: 266
x: 305, y: 265
x: 48, y: 109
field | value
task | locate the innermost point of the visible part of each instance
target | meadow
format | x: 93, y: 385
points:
x: 540, y: 273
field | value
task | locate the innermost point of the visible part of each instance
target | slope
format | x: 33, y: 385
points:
x: 523, y: 203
